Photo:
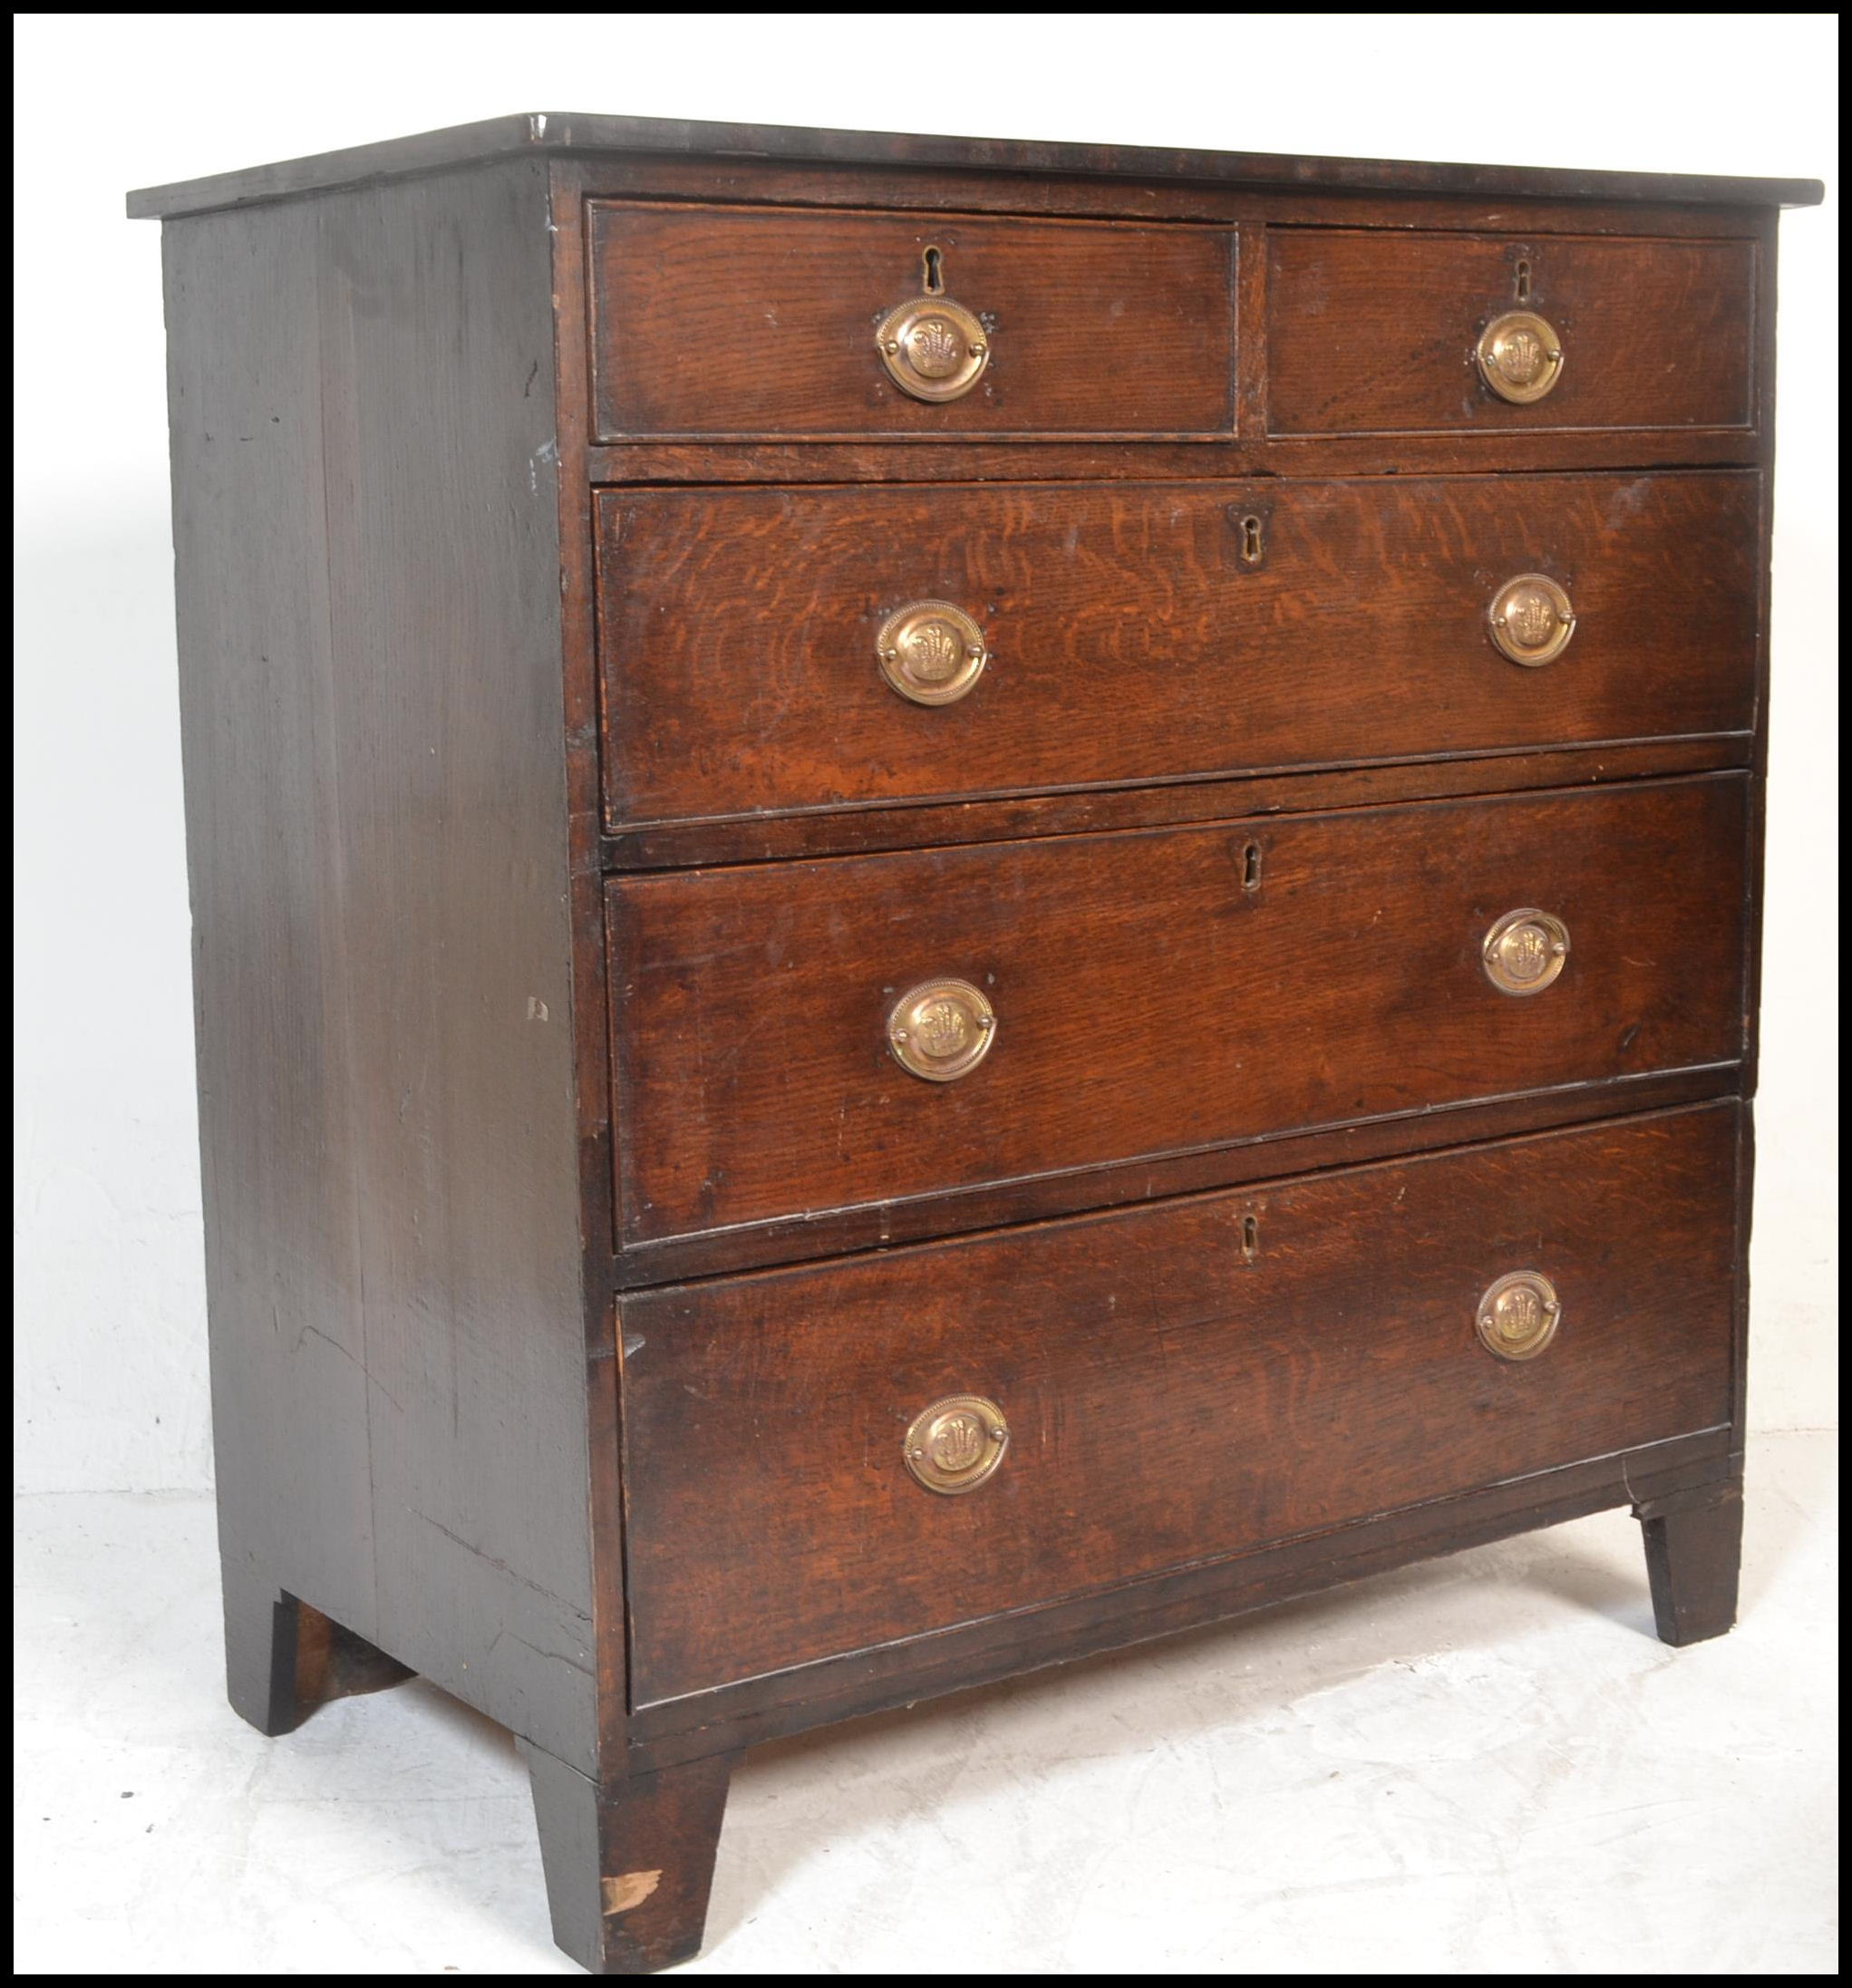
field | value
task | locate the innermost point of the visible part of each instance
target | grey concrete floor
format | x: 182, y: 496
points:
x: 1483, y: 1764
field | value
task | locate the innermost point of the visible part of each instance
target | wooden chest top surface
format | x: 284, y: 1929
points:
x: 543, y: 132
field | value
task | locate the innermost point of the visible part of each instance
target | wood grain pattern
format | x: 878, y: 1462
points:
x: 1169, y: 1399
x: 1148, y: 1002
x: 761, y: 321
x: 369, y: 643
x: 851, y: 830
x: 895, y: 1674
x: 1374, y: 332
x: 1460, y: 451
x: 882, y: 1225
x: 738, y: 631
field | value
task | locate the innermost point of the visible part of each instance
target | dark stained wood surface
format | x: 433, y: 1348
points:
x: 278, y: 1079
x: 629, y: 1860
x: 944, y: 460
x: 850, y: 831
x: 369, y: 639
x: 1130, y: 642
x: 1756, y: 829
x: 1148, y: 1001
x: 577, y: 132
x: 284, y: 1660
x: 901, y: 1673
x: 399, y: 827
x: 1766, y: 320
x: 660, y: 176
x: 761, y: 321
x: 1169, y: 1398
x: 882, y: 1225
x: 1370, y: 332
x: 1693, y: 1559
x: 590, y: 1008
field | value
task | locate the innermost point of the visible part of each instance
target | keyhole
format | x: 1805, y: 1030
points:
x: 1522, y: 279
x: 1250, y: 541
x: 1250, y: 866
x: 1250, y: 1238
x: 930, y: 262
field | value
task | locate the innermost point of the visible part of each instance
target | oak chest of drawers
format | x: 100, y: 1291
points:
x: 952, y: 902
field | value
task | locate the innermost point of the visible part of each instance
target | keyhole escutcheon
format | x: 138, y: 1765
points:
x: 932, y: 269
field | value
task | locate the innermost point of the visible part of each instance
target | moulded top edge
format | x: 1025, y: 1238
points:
x: 551, y: 132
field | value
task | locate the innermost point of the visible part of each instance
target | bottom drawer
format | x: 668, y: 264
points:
x: 1178, y: 1382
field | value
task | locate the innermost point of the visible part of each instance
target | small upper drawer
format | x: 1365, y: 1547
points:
x: 769, y: 651
x: 764, y: 321
x: 1374, y: 332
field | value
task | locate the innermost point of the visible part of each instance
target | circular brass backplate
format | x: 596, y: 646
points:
x: 1525, y: 951
x: 1520, y: 356
x: 931, y: 651
x: 1518, y: 1314
x: 955, y: 1444
x: 1531, y: 620
x: 942, y: 1029
x: 933, y: 349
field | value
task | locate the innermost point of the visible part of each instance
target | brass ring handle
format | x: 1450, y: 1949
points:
x: 1520, y: 356
x: 1518, y: 1314
x: 934, y: 349
x: 931, y: 651
x: 957, y: 1444
x: 942, y: 1029
x: 1531, y: 620
x: 1525, y: 951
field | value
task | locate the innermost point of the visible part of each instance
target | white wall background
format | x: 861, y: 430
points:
x: 109, y: 1326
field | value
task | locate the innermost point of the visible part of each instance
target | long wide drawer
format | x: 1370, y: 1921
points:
x: 1175, y: 1383
x: 710, y: 321
x: 1152, y: 993
x: 1380, y: 331
x: 1142, y: 632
